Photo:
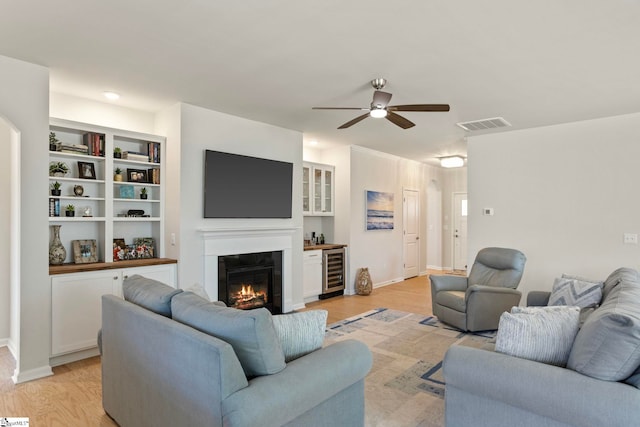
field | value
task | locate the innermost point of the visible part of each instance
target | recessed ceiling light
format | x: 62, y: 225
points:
x: 313, y: 142
x: 452, y: 162
x: 111, y: 95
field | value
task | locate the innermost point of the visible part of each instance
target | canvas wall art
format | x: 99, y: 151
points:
x: 379, y: 210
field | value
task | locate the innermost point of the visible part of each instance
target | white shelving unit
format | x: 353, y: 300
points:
x: 318, y: 189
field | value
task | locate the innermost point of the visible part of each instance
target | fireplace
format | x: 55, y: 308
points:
x: 254, y: 280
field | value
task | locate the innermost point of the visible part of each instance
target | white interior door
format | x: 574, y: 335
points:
x: 411, y: 224
x: 460, y: 231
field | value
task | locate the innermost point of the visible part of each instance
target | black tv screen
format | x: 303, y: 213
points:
x: 237, y: 186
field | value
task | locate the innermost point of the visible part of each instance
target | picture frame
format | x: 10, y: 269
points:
x: 86, y: 170
x: 119, y: 249
x: 379, y: 210
x: 136, y: 175
x: 126, y: 192
x: 145, y: 247
x: 84, y: 251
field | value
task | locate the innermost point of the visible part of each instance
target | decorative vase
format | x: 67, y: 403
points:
x: 364, y: 285
x: 57, y: 252
x: 117, y: 177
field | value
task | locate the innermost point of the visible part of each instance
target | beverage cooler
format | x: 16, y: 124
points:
x: 333, y: 272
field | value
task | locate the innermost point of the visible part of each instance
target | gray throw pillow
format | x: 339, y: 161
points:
x: 150, y: 294
x: 608, y: 344
x: 249, y: 332
x: 300, y: 333
x: 542, y: 334
x: 575, y: 292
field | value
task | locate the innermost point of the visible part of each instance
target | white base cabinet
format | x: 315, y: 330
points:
x: 312, y: 273
x: 76, y: 303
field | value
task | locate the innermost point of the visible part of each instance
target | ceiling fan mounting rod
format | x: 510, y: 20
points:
x: 378, y: 84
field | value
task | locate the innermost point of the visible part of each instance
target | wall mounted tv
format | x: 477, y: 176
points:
x: 237, y: 186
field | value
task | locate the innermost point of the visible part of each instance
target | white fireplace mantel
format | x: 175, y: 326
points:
x: 231, y: 241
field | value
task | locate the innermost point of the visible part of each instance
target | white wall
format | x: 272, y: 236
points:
x: 563, y: 194
x: 24, y: 103
x: 202, y: 129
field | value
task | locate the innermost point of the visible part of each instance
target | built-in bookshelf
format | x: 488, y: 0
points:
x: 105, y: 208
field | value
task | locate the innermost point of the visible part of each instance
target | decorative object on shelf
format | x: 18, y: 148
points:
x: 379, y: 210
x: 144, y: 247
x: 136, y: 175
x: 118, y: 175
x: 55, y: 189
x: 143, y: 193
x: 126, y: 192
x: 117, y: 153
x: 58, y: 169
x: 54, y: 143
x: 57, y: 252
x: 86, y: 212
x: 78, y: 190
x: 119, y: 248
x: 54, y: 206
x: 84, y: 251
x: 364, y: 285
x: 70, y: 210
x: 86, y: 170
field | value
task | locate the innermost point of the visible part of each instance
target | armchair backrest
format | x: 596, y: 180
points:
x: 500, y: 267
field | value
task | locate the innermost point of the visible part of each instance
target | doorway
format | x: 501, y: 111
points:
x: 411, y: 232
x: 459, y: 231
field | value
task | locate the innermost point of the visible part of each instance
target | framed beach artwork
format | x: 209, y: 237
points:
x: 379, y: 210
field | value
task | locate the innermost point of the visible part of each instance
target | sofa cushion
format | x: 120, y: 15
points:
x: 575, y: 292
x: 300, y: 333
x: 542, y: 334
x: 452, y: 299
x: 250, y: 332
x: 616, y: 277
x: 608, y: 345
x: 150, y: 294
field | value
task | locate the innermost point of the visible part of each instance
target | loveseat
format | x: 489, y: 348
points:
x: 157, y: 370
x: 598, y: 388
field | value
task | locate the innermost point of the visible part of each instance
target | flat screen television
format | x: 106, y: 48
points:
x: 237, y: 186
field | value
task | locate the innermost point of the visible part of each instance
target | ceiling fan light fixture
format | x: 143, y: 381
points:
x: 452, y: 162
x: 378, y: 113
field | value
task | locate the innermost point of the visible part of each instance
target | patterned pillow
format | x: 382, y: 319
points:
x: 542, y: 334
x: 300, y: 333
x: 575, y: 292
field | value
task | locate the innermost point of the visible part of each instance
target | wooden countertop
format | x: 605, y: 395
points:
x: 324, y: 246
x: 76, y: 268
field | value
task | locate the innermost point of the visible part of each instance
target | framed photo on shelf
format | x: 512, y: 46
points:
x: 126, y: 191
x: 86, y: 170
x: 145, y: 247
x: 119, y: 249
x: 136, y: 175
x: 84, y: 251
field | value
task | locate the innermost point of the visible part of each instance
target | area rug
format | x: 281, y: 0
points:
x: 405, y: 387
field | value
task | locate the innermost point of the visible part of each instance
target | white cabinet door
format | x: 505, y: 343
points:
x: 318, y: 197
x: 76, y: 308
x: 306, y: 190
x: 312, y: 273
x: 165, y: 273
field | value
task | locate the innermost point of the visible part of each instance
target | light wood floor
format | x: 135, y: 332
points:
x: 73, y: 395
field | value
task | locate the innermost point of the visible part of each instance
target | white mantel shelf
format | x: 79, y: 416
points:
x: 230, y: 241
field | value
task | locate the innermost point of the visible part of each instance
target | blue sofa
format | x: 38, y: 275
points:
x: 485, y: 388
x: 158, y: 371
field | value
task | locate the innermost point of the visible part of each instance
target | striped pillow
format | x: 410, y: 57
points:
x: 542, y: 334
x: 571, y: 291
x: 300, y: 333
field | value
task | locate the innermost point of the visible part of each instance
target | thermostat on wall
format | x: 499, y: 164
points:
x: 487, y: 211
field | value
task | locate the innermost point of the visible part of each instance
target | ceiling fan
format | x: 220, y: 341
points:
x: 380, y: 108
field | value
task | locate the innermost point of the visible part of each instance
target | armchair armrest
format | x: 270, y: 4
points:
x: 448, y: 283
x: 485, y: 305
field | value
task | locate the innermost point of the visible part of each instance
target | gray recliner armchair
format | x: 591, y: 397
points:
x: 476, y: 303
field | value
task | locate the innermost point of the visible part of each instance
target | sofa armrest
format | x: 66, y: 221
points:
x: 549, y: 391
x: 448, y: 283
x: 304, y: 384
x: 538, y: 298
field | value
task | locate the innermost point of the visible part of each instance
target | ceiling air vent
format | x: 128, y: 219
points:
x: 484, y: 124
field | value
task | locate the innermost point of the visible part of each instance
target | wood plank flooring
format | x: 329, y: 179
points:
x: 73, y: 395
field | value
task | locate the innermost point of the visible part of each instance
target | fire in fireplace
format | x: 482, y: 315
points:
x: 248, y: 281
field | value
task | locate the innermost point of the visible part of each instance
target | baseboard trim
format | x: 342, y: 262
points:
x: 74, y: 357
x: 298, y: 306
x: 434, y: 267
x: 387, y: 283
x: 31, y: 374
x: 4, y: 342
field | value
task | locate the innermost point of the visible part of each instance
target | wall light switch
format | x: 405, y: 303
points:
x: 487, y: 211
x: 630, y: 238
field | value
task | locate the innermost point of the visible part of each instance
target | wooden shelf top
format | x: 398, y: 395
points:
x: 97, y: 266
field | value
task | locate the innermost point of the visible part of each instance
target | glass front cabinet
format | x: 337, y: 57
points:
x: 317, y: 189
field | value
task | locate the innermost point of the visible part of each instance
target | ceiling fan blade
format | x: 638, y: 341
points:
x: 399, y: 120
x: 354, y: 121
x: 339, y: 108
x: 419, y: 107
x: 381, y: 98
